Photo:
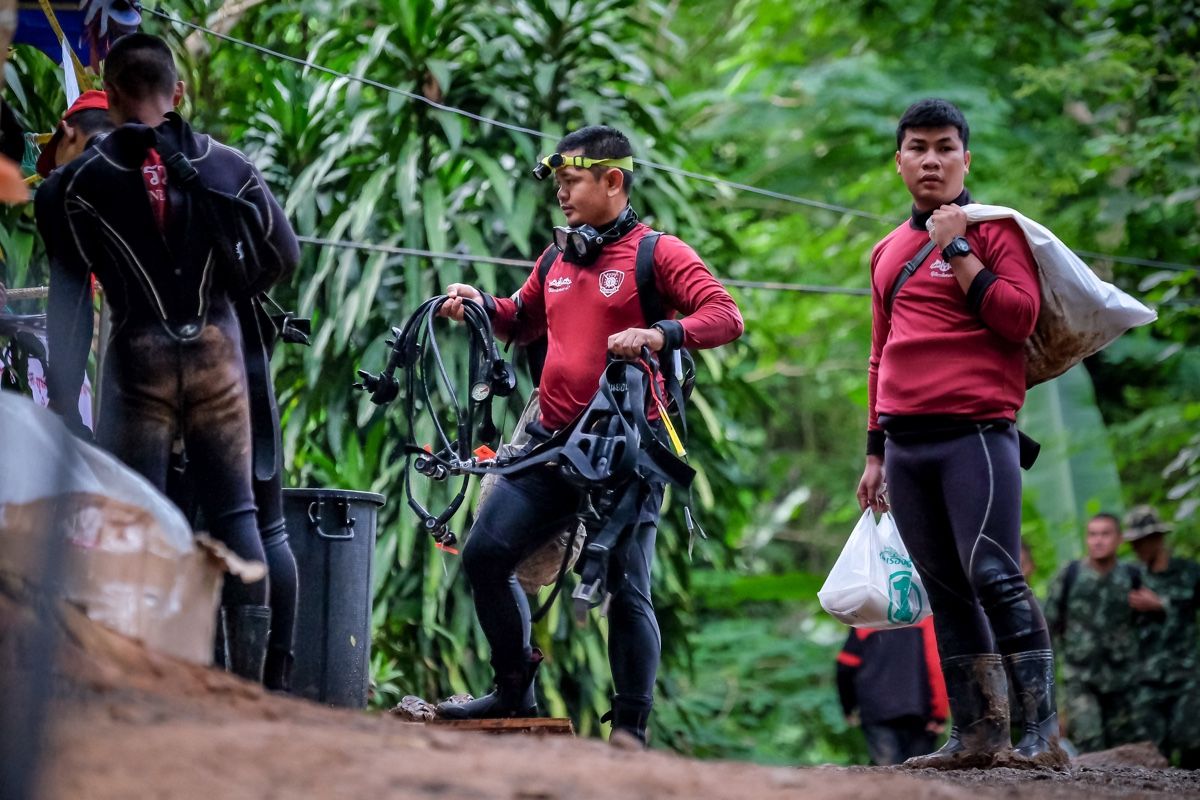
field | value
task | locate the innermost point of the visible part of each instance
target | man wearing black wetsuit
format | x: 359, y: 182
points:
x: 173, y: 257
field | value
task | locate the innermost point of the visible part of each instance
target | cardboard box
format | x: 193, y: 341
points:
x: 131, y: 561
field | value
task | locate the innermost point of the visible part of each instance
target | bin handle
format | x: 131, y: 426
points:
x: 314, y: 517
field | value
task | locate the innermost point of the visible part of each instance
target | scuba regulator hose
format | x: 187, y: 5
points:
x: 609, y: 451
x: 413, y: 347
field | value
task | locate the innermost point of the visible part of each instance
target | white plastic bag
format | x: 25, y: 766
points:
x: 873, y: 583
x: 1080, y: 314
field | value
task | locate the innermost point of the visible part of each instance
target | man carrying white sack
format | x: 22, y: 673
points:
x: 946, y: 378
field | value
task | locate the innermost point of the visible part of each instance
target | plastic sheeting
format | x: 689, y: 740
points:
x: 132, y: 561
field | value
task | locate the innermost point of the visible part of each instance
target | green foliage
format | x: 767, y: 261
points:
x: 1075, y: 476
x: 1085, y: 115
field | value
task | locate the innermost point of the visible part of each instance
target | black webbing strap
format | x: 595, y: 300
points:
x: 907, y: 272
x: 654, y: 311
x: 264, y: 423
x: 593, y: 561
x: 535, y: 351
x: 546, y: 262
x: 652, y: 306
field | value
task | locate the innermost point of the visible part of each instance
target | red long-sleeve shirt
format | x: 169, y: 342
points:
x: 942, y: 351
x: 580, y: 307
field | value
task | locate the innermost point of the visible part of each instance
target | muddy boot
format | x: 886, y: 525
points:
x: 513, y: 696
x: 979, y: 705
x: 277, y: 674
x: 1033, y: 680
x: 628, y: 723
x: 246, y: 630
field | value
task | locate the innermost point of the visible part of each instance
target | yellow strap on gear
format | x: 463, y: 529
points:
x: 676, y: 442
x: 80, y: 73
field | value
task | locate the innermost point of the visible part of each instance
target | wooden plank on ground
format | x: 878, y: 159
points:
x: 542, y: 726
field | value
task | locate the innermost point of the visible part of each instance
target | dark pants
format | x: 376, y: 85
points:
x: 957, y: 503
x: 156, y: 388
x: 521, y: 513
x: 894, y: 741
x: 281, y: 564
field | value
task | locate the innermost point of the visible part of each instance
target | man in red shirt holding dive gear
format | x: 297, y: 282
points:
x: 587, y: 305
x: 945, y: 381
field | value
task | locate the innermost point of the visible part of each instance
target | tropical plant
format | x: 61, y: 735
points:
x: 1084, y: 112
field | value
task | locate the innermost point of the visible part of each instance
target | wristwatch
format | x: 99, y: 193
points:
x: 958, y: 246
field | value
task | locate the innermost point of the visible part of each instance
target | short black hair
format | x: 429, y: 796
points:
x: 91, y: 121
x: 140, y: 65
x: 933, y: 113
x: 1113, y: 518
x: 600, y: 141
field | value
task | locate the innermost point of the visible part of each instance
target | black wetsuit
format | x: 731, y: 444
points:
x: 174, y: 363
x: 520, y: 514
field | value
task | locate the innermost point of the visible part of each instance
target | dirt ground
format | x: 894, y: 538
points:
x: 128, y: 723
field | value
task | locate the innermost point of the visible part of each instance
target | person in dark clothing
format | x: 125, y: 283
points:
x: 268, y: 497
x: 946, y: 378
x: 588, y: 307
x: 86, y: 119
x: 891, y: 683
x: 12, y: 135
x: 174, y: 253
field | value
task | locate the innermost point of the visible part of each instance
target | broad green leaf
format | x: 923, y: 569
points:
x: 1075, y: 475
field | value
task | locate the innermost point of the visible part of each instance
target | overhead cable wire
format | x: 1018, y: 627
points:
x: 667, y: 168
x: 1169, y: 266
x: 420, y: 98
x: 528, y: 265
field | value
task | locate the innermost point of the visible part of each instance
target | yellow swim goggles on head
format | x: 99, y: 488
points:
x: 557, y: 161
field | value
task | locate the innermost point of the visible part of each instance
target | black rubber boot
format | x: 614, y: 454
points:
x: 513, y: 696
x: 281, y: 566
x: 1033, y: 683
x: 978, y: 694
x: 277, y: 674
x: 628, y: 721
x: 246, y: 631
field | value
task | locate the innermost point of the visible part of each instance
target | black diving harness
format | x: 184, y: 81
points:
x: 611, y: 451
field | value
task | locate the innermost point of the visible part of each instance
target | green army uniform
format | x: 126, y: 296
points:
x: 1169, y: 699
x: 1096, y: 638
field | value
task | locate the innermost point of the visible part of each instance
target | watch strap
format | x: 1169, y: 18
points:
x: 959, y: 246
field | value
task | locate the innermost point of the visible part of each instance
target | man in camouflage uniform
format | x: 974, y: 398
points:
x: 1169, y: 698
x: 1096, y: 638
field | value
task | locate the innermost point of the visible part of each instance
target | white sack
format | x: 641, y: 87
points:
x: 1080, y: 313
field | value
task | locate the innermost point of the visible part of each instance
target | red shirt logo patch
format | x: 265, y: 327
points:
x: 610, y: 281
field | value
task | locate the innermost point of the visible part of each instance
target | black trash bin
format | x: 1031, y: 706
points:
x: 332, y: 533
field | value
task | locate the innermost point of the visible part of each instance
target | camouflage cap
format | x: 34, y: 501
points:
x: 1143, y: 521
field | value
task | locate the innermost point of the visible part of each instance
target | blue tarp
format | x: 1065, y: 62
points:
x: 33, y: 28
